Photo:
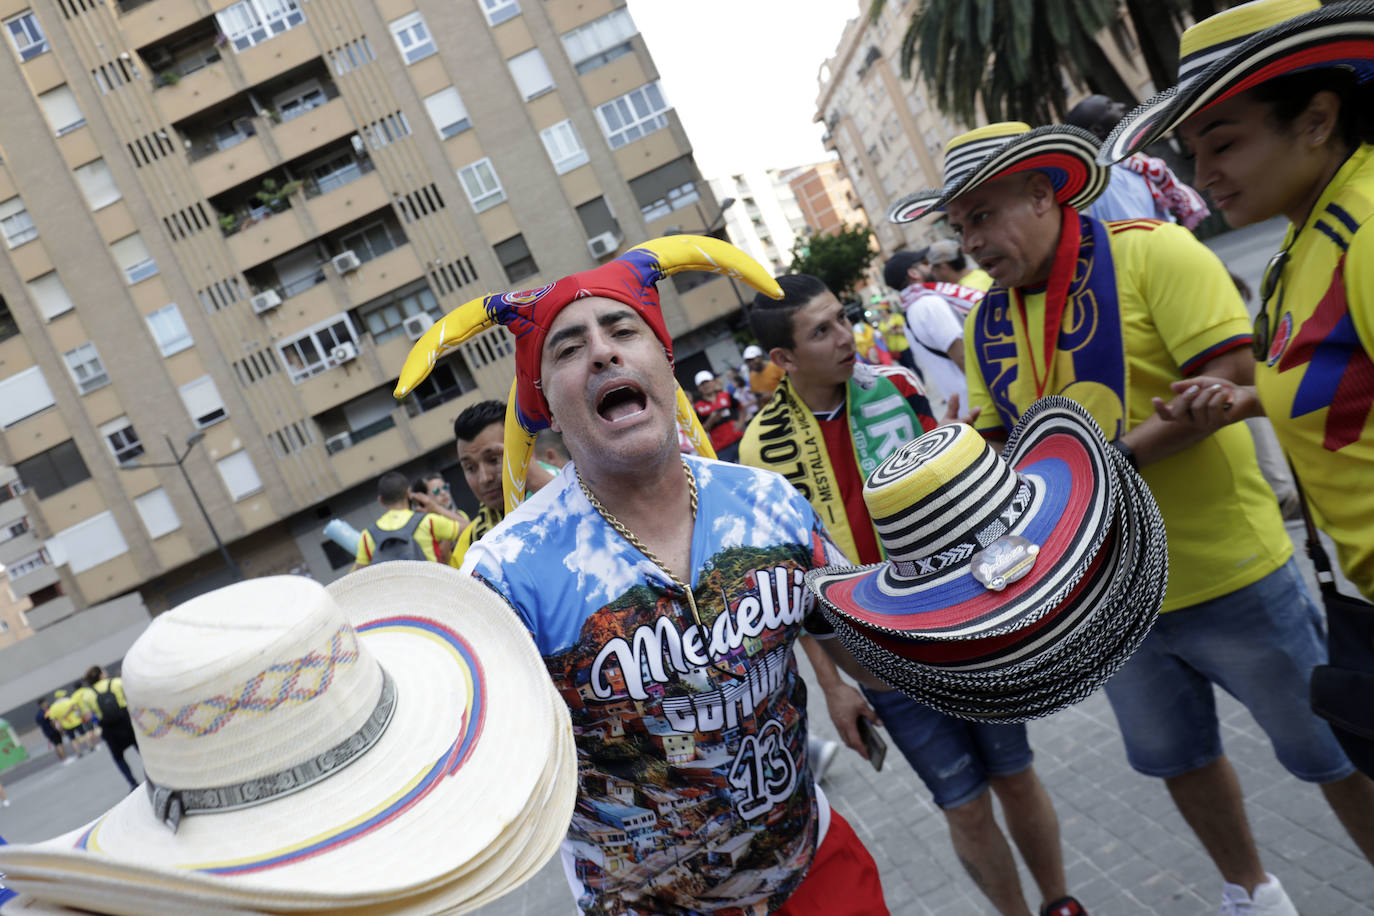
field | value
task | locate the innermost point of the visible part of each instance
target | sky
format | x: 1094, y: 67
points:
x: 742, y: 75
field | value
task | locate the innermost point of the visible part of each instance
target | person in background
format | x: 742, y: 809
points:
x: 90, y: 711
x: 50, y: 731
x: 550, y: 451
x: 764, y: 374
x: 65, y: 712
x: 115, y: 725
x: 479, y: 432
x: 430, y: 492
x: 948, y: 264
x: 401, y: 533
x: 718, y: 415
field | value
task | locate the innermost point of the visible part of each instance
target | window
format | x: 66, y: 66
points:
x: 309, y: 353
x: 564, y: 147
x: 53, y: 471
x: 133, y: 258
x: 447, y: 112
x: 169, y: 330
x: 87, y: 544
x: 387, y: 320
x: 25, y: 565
x: 531, y: 74
x: 251, y: 22
x: 448, y: 380
x: 515, y: 257
x: 373, y: 241
x: 481, y: 185
x: 351, y: 55
x: 666, y: 188
x: 8, y: 327
x: 412, y: 37
x: 298, y: 100
x: 61, y: 110
x: 155, y: 508
x: 87, y: 370
x: 50, y: 295
x: 498, y: 11
x: 97, y: 184
x: 16, y: 222
x: 635, y: 114
x: 22, y: 395
x: 27, y: 35
x: 239, y: 475
x: 122, y: 440
x: 600, y: 41
x: 597, y: 218
x: 203, y: 402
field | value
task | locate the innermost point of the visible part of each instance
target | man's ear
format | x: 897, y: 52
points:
x: 915, y: 275
x: 784, y: 357
x: 1041, y: 193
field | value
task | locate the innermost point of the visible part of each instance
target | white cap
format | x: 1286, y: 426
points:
x: 752, y: 350
x: 705, y: 375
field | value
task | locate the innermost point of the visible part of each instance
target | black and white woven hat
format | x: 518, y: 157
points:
x: 1068, y: 155
x: 1014, y: 585
x: 1238, y: 49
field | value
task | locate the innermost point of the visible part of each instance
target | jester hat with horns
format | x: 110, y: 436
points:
x: 630, y: 279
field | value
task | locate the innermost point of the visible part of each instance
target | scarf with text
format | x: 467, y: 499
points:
x: 1083, y: 354
x: 786, y: 437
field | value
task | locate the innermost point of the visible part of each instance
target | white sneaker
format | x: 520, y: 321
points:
x: 1269, y: 899
x: 821, y: 753
x: 5, y: 803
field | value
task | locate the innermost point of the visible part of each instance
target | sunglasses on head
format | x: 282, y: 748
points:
x: 1273, y: 271
x: 442, y: 488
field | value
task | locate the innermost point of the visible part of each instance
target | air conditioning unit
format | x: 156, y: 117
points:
x: 416, y: 325
x: 343, y: 353
x: 345, y: 262
x: 265, y: 302
x: 157, y: 57
x: 338, y: 443
x: 603, y: 245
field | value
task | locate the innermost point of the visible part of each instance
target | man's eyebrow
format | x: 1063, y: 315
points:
x: 572, y: 330
x: 611, y: 318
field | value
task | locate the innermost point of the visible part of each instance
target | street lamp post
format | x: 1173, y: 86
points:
x: 179, y: 462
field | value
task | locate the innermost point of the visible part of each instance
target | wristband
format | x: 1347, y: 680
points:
x: 1127, y: 452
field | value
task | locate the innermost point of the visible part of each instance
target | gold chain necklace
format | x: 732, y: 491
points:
x: 643, y: 548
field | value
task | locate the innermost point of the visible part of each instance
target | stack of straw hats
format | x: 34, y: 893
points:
x: 1015, y: 584
x: 389, y: 745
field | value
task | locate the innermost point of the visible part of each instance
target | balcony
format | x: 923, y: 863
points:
x: 146, y: 21
x: 364, y: 193
x: 313, y: 127
x: 358, y: 420
x: 367, y: 461
x: 19, y: 541
x: 29, y: 573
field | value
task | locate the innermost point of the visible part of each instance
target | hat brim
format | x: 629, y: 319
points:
x: 474, y: 712
x: 1338, y: 35
x: 1067, y: 154
x: 1061, y: 453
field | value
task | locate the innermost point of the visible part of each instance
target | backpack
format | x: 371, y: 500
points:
x: 111, y: 713
x: 399, y: 544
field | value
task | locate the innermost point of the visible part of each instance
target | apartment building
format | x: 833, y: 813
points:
x: 763, y: 216
x: 225, y: 223
x: 825, y: 196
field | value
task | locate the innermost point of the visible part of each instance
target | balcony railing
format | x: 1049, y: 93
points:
x: 193, y: 62
x: 244, y: 129
x: 350, y: 173
x: 270, y: 199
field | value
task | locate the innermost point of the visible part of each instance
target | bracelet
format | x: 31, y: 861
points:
x: 1127, y: 452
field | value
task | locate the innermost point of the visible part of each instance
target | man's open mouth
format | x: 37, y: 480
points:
x: 620, y: 402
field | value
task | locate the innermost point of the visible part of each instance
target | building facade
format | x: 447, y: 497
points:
x: 765, y: 218
x: 825, y: 196
x: 225, y: 223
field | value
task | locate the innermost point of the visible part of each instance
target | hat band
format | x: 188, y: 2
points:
x: 1004, y: 522
x: 171, y: 805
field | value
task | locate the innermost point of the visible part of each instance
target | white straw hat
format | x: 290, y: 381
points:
x: 398, y: 728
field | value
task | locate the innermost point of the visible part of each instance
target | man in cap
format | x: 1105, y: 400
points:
x: 764, y: 374
x: 665, y: 603
x: 1109, y: 314
x: 832, y: 421
x: 936, y: 303
x: 717, y: 412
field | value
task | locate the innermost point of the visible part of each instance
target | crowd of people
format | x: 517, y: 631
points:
x: 92, y: 711
x: 665, y: 591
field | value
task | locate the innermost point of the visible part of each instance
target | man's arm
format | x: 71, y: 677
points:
x: 842, y: 701
x: 956, y: 353
x: 1157, y: 438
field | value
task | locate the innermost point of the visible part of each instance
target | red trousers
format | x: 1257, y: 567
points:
x: 843, y: 880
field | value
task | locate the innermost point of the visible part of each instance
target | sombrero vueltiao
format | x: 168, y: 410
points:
x: 392, y: 742
x: 1068, y: 155
x: 630, y: 278
x: 1015, y: 584
x: 1240, y: 48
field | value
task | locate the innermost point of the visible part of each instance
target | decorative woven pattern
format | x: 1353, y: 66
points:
x: 299, y: 680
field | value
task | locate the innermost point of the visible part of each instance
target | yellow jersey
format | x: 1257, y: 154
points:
x: 432, y: 527
x: 1179, y: 309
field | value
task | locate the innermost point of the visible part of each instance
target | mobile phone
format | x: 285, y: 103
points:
x: 873, y: 743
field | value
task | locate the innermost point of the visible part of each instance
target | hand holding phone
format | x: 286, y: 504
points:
x: 873, y: 742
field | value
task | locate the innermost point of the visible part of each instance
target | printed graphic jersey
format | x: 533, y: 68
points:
x: 1317, y: 381
x: 694, y: 792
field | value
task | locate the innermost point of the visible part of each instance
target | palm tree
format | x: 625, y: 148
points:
x: 1018, y: 57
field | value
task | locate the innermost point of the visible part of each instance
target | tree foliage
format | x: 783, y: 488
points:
x: 1018, y: 57
x: 838, y: 259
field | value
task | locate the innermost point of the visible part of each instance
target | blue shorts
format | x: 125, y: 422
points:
x: 954, y: 758
x: 1259, y: 644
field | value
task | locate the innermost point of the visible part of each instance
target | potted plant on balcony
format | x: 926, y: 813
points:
x: 167, y: 78
x: 275, y: 197
x: 229, y: 223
